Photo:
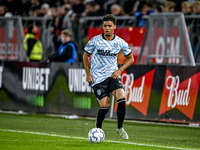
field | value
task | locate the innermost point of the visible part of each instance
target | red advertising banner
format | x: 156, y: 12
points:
x: 137, y: 91
x: 174, y: 48
x: 12, y: 45
x: 180, y: 95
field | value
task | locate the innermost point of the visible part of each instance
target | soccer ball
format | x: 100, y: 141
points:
x: 96, y: 135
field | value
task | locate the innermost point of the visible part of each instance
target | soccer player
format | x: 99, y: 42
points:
x: 103, y: 72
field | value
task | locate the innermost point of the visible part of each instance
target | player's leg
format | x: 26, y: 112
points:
x: 102, y: 93
x: 117, y: 90
x: 121, y: 109
x: 105, y: 106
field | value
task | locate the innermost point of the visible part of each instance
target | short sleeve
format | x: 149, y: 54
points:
x: 89, y: 48
x: 125, y: 49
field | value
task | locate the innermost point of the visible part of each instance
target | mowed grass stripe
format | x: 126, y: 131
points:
x: 81, y: 138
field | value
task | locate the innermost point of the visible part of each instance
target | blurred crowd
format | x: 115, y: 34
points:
x: 65, y: 13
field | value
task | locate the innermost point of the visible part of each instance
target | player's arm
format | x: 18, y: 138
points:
x: 128, y: 62
x: 86, y: 63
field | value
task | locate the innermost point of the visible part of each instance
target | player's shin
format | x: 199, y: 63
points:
x: 121, y: 110
x: 101, y: 116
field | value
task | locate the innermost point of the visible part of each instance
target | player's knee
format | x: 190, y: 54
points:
x: 119, y: 94
x: 105, y: 105
x: 104, y: 102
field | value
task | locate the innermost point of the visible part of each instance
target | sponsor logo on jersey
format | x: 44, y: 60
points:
x: 105, y: 52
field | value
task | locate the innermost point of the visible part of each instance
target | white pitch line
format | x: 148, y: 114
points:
x: 81, y: 138
x: 31, y: 140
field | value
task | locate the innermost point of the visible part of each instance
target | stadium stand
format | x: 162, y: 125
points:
x: 68, y: 14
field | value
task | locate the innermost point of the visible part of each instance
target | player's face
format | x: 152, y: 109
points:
x: 108, y: 27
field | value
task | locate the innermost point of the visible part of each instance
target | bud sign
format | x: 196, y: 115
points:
x: 180, y: 95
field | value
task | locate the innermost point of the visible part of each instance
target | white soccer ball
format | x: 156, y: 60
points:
x: 96, y: 135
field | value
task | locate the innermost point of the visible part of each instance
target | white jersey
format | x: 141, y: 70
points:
x: 104, y: 56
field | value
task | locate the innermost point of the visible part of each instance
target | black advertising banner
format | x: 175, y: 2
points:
x: 153, y: 92
x: 46, y: 88
x: 24, y: 85
x: 24, y: 80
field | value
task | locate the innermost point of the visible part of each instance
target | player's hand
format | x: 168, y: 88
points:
x: 90, y: 79
x: 116, y: 74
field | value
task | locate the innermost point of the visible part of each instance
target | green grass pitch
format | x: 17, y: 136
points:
x: 41, y: 132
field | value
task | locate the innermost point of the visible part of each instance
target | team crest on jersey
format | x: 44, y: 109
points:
x: 98, y: 92
x: 115, y: 45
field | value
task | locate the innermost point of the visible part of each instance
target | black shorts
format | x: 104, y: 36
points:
x: 104, y: 88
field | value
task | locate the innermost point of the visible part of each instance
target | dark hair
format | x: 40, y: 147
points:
x: 29, y: 28
x: 110, y: 17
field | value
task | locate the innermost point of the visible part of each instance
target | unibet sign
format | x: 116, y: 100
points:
x: 35, y: 78
x: 77, y: 81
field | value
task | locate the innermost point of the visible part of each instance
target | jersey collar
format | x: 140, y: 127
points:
x: 105, y: 38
